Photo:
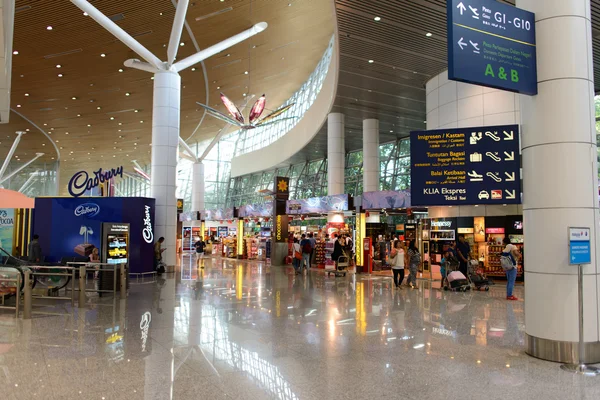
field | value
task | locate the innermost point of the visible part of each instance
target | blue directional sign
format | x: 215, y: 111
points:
x: 579, y: 246
x: 465, y: 166
x: 492, y: 44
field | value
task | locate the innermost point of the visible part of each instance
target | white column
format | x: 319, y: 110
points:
x: 336, y: 153
x: 165, y: 143
x: 560, y: 180
x: 370, y: 155
x: 198, y: 187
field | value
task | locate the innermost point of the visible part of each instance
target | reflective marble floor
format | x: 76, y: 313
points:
x: 244, y: 330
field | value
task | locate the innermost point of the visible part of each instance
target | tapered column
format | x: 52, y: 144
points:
x: 336, y: 152
x: 370, y: 155
x: 165, y: 143
x: 560, y: 182
x: 198, y: 187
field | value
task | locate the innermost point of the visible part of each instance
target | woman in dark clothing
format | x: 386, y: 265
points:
x: 338, y: 249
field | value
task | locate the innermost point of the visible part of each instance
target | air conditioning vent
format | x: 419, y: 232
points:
x: 64, y: 53
x: 223, y: 11
x: 116, y: 17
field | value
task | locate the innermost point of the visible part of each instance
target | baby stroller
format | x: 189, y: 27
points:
x: 478, y: 279
x: 455, y: 280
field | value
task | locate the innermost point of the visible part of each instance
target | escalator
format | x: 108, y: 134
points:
x: 11, y: 267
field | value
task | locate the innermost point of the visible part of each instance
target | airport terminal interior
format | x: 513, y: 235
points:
x: 299, y: 199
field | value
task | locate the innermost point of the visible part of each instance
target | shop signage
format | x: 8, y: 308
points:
x: 494, y: 231
x: 179, y: 205
x: 218, y: 214
x: 7, y: 220
x: 466, y: 166
x: 465, y: 231
x: 256, y: 210
x: 386, y: 200
x: 441, y: 224
x: 579, y: 246
x: 82, y: 182
x: 87, y: 209
x: 282, y: 187
x: 147, y: 233
x: 492, y: 44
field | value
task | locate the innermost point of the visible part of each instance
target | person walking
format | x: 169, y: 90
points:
x: 313, y: 243
x: 199, y: 245
x: 35, y: 250
x: 508, y: 260
x: 414, y: 259
x: 306, y: 251
x: 399, y: 258
x: 297, y: 251
x: 158, y: 250
x: 463, y: 250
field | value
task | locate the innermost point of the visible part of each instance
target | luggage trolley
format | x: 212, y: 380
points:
x: 341, y: 267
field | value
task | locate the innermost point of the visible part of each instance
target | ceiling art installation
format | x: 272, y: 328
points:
x: 253, y: 117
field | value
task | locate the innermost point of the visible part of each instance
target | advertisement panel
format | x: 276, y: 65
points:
x: 72, y: 227
x: 7, y: 227
x: 466, y: 166
x: 492, y: 44
x: 256, y: 210
x: 318, y: 205
x: 385, y: 200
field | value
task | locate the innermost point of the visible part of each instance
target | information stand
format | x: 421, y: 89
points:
x: 579, y: 255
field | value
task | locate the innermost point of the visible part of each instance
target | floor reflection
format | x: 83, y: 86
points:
x: 222, y: 328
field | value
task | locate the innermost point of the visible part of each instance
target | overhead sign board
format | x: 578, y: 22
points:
x: 466, y: 166
x: 492, y: 44
x: 579, y: 246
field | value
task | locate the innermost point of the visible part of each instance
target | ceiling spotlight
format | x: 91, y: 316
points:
x: 102, y: 55
x: 193, y: 69
x: 137, y: 111
x: 73, y: 98
x: 49, y: 28
x: 60, y: 75
x: 66, y: 133
x: 141, y: 122
x: 135, y: 144
x: 377, y: 18
x: 18, y: 106
x: 98, y: 108
x: 127, y: 94
x: 120, y: 123
x: 371, y: 61
x: 111, y: 118
x: 79, y: 115
x: 85, y: 14
x: 429, y: 34
x: 218, y: 87
x: 26, y: 94
x: 15, y: 52
x: 89, y: 125
x: 120, y: 69
x: 160, y: 14
x: 391, y: 131
x: 58, y: 66
x: 182, y: 44
x: 245, y: 72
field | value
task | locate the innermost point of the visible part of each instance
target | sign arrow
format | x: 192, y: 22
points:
x: 510, y: 177
x: 510, y: 195
x: 509, y: 136
x: 461, y: 7
x: 509, y: 156
x: 462, y: 44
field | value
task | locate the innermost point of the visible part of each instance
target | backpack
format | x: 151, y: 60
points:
x: 506, y: 261
x: 307, y: 248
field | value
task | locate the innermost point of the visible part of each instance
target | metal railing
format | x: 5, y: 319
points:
x: 143, y: 275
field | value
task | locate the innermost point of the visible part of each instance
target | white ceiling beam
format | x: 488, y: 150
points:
x: 119, y: 33
x: 142, y: 66
x: 11, y: 152
x: 28, y: 181
x: 176, y: 31
x: 21, y: 168
x: 188, y: 149
x: 219, y: 47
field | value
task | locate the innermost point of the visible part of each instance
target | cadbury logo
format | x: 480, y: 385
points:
x: 147, y: 231
x: 81, y: 181
x: 87, y: 209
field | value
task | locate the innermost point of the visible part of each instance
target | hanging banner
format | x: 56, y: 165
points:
x: 492, y: 44
x: 7, y: 227
x: 256, y: 210
x: 318, y: 205
x: 385, y: 200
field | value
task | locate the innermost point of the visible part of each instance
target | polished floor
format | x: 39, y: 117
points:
x: 245, y: 330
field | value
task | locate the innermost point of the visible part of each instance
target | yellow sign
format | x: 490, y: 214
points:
x: 240, y: 237
x: 239, y: 282
x: 282, y: 186
x: 361, y: 231
x: 465, y: 230
x: 278, y: 228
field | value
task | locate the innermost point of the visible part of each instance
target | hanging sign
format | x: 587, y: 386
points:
x: 466, y: 166
x: 579, y: 246
x: 492, y: 44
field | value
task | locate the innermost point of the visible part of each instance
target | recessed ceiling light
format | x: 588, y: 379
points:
x: 49, y: 28
x: 18, y: 106
x: 391, y: 131
x: 60, y: 75
x: 58, y: 66
x: 102, y: 55
x: 429, y: 34
x: 89, y: 125
x: 160, y: 13
x: 45, y: 124
x: 182, y: 44
x: 377, y: 18
x: 79, y: 115
x: 245, y: 72
x: 243, y: 94
x: 26, y: 94
x: 137, y: 111
x: 98, y: 108
x: 135, y: 144
x: 371, y: 61
x: 112, y: 118
x: 120, y: 123
x: 127, y: 94
x: 120, y: 69
x: 141, y: 122
x: 15, y: 52
x: 43, y: 144
x: 193, y: 69
x: 85, y: 14
x: 66, y: 133
x: 73, y: 98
